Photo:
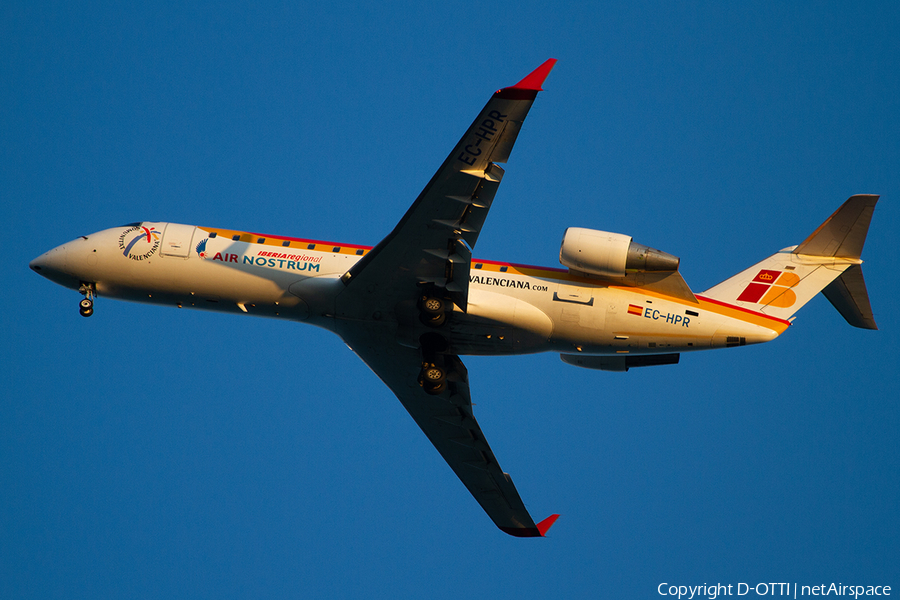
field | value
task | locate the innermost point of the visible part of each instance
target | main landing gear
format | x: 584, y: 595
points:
x: 433, y: 306
x: 434, y: 379
x: 432, y: 310
x: 433, y: 376
x: 86, y: 306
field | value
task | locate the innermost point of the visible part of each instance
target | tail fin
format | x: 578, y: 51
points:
x: 827, y: 261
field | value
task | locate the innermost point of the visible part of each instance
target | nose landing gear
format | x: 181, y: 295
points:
x: 86, y: 306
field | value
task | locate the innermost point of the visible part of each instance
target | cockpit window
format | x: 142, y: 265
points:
x: 131, y: 225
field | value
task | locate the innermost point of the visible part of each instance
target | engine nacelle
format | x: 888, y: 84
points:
x: 610, y: 254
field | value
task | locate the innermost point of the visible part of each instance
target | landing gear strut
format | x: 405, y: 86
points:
x: 86, y: 306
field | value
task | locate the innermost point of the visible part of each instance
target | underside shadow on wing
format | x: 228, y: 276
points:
x: 398, y: 296
x: 449, y: 423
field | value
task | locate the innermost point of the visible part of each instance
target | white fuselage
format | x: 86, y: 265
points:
x: 512, y: 309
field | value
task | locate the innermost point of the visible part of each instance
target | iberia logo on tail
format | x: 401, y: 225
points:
x: 771, y: 288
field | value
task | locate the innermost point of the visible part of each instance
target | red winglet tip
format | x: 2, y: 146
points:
x: 546, y: 524
x: 535, y: 79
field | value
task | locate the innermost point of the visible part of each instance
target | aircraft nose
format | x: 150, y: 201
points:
x: 50, y: 263
x: 54, y: 266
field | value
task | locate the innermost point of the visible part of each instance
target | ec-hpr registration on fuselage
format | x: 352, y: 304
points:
x: 416, y: 302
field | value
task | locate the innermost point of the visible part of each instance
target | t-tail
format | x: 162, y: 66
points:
x: 828, y: 261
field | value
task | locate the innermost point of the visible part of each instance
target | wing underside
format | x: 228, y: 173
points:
x: 432, y: 243
x: 450, y: 425
x: 427, y: 257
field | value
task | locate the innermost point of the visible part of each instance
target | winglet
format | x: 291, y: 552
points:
x: 546, y: 524
x: 535, y: 79
x: 528, y: 88
x: 537, y: 531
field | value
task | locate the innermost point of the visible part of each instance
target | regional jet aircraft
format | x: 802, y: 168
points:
x: 416, y: 302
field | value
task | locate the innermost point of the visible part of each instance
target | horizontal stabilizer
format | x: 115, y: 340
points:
x: 848, y: 295
x: 622, y: 362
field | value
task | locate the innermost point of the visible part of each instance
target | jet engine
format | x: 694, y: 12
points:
x: 611, y: 254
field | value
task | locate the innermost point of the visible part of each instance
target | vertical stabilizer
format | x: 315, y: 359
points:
x: 827, y: 261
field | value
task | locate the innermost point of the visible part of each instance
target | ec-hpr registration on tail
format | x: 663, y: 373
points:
x: 411, y: 306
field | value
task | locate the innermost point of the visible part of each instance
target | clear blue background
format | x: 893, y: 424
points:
x: 149, y: 452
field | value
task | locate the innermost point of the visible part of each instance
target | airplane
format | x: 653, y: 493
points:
x: 410, y: 306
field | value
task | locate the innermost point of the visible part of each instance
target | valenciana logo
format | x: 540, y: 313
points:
x: 201, y: 248
x: 139, y: 242
x: 771, y: 288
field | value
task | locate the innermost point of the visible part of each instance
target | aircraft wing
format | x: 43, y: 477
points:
x: 430, y: 248
x: 432, y: 243
x: 448, y: 422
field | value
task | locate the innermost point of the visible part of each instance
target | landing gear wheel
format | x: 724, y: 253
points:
x: 434, y: 380
x: 86, y: 307
x: 433, y: 311
x: 433, y: 306
x: 433, y: 321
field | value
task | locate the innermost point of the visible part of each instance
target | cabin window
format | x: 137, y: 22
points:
x: 212, y: 235
x: 236, y: 237
x: 261, y: 241
x: 359, y: 252
x: 478, y: 265
x: 336, y: 249
x: 503, y: 269
x: 286, y: 243
x: 310, y: 246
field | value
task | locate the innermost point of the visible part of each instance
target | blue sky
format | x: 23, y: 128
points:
x: 150, y: 452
